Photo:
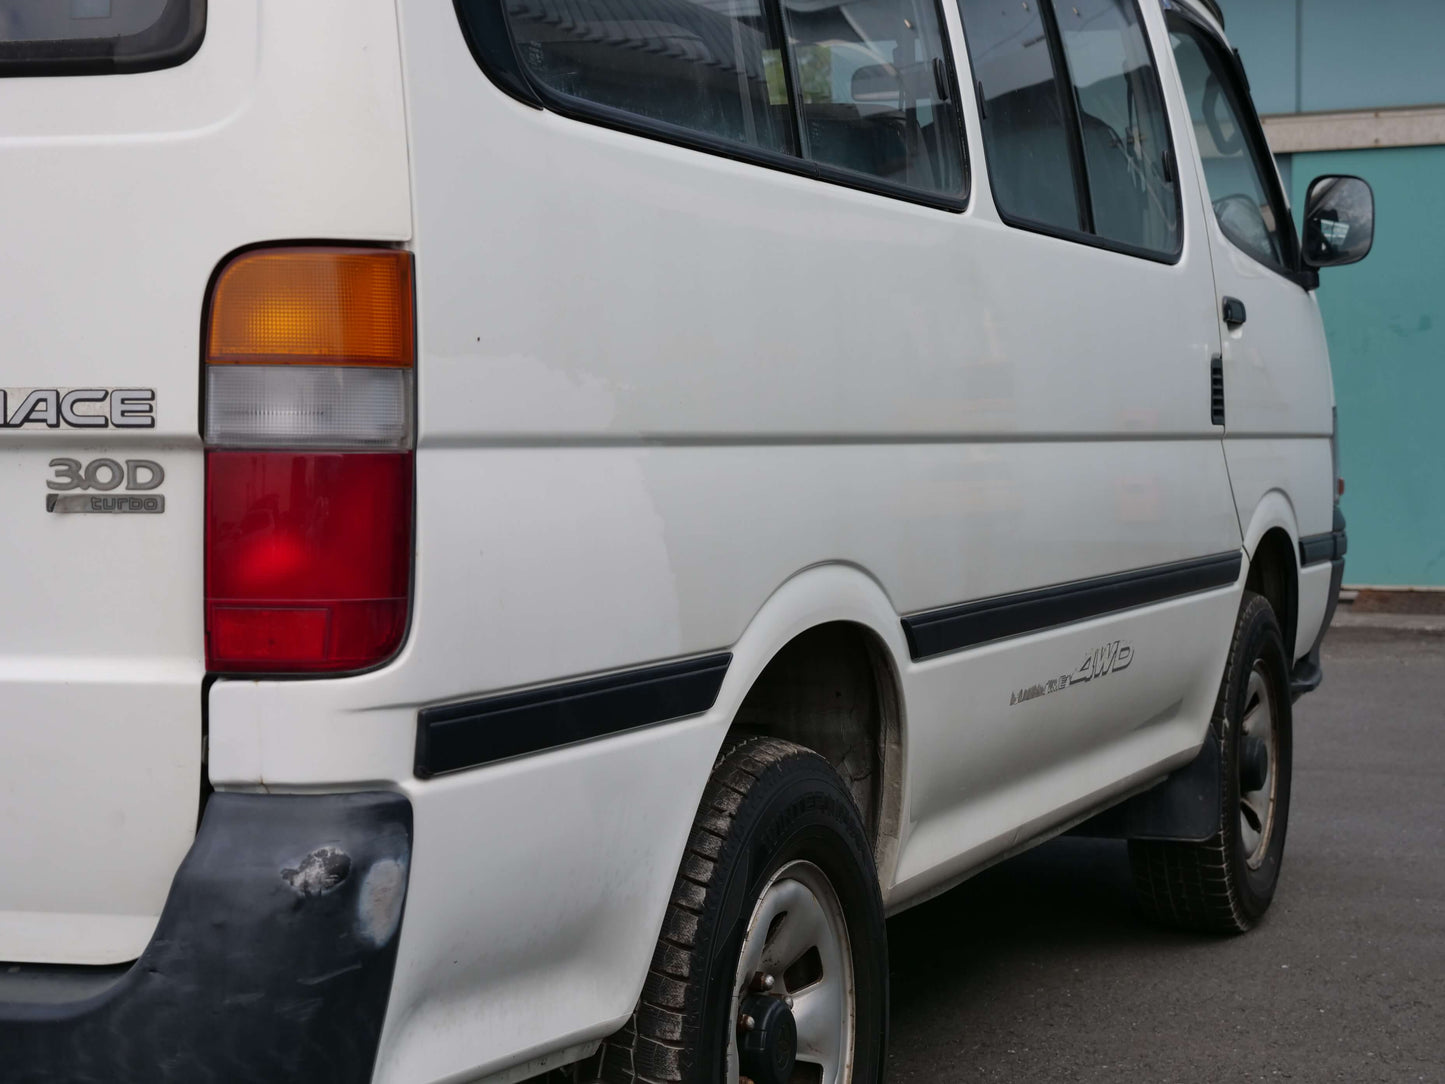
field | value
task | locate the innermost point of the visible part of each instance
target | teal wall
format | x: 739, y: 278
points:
x: 1266, y: 34
x: 1317, y: 56
x: 1386, y: 324
x: 1385, y: 318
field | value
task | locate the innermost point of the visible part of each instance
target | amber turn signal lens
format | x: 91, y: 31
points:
x: 313, y: 306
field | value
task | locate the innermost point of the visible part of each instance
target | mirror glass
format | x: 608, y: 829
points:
x: 1339, y: 222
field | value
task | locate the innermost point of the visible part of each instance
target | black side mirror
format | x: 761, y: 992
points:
x: 1339, y: 222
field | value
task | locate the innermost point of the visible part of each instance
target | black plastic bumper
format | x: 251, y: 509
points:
x: 272, y: 960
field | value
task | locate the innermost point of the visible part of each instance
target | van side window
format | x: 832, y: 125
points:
x: 708, y: 67
x: 857, y: 89
x: 1074, y: 123
x: 1029, y: 159
x: 1248, y: 212
x: 874, y: 90
x: 1123, y: 125
x: 98, y: 37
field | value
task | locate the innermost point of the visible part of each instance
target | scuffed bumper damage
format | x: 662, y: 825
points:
x: 273, y: 958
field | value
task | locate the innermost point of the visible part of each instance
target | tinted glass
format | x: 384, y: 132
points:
x: 1124, y: 129
x: 44, y: 37
x: 66, y: 20
x: 1237, y: 187
x: 1024, y: 132
x: 875, y: 90
x: 711, y: 66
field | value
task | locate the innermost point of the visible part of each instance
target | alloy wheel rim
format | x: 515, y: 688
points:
x: 1257, y: 805
x: 796, y: 948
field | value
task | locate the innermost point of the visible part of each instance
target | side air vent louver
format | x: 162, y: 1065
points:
x: 1216, y: 391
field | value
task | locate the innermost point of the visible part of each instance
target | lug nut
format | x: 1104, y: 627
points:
x: 747, y: 1023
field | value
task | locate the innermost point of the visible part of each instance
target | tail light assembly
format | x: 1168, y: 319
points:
x: 309, y: 381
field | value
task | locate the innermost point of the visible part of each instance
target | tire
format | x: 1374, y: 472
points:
x: 773, y: 816
x: 1225, y: 884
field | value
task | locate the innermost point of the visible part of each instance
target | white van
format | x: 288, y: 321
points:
x: 533, y: 525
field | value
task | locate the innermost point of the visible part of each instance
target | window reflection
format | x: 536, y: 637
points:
x: 1030, y: 162
x: 875, y: 90
x: 711, y: 66
x: 1124, y: 129
x: 1237, y: 187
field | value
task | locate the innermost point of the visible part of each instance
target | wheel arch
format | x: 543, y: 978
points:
x: 1271, y: 542
x: 821, y: 664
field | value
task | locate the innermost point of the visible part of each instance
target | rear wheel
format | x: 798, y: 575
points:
x: 773, y: 963
x: 1225, y: 884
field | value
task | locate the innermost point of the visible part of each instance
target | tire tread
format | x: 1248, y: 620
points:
x: 650, y: 1048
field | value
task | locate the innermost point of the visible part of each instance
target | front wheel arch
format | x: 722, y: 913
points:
x: 1274, y: 575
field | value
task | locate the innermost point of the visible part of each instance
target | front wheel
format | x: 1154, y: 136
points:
x: 1225, y: 884
x: 773, y: 962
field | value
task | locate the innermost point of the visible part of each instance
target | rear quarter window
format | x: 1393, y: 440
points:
x: 854, y: 92
x: 97, y: 37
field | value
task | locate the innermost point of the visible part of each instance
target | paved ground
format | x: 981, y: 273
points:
x: 1040, y: 970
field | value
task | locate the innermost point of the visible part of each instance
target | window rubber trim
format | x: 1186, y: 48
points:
x: 1064, y: 85
x: 1069, y: 103
x: 973, y: 624
x: 494, y: 50
x: 502, y: 66
x: 169, y: 42
x: 1236, y: 87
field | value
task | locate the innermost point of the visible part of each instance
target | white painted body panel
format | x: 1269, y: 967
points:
x: 1279, y: 400
x: 121, y: 194
x: 669, y: 404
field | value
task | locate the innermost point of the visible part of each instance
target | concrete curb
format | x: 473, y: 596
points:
x: 1405, y: 624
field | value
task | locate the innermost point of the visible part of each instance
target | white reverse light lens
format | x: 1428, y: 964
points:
x: 305, y: 406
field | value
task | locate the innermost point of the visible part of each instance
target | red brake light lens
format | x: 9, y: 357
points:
x: 309, y: 559
x: 308, y: 564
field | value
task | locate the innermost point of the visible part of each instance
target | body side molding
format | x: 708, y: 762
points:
x: 954, y: 628
x: 451, y: 737
x: 1319, y: 548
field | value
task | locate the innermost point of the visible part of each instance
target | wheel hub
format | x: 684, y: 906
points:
x: 794, y: 1005
x: 1254, y: 764
x: 767, y: 1040
x: 1258, y: 754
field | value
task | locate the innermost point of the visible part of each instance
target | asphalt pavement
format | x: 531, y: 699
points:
x: 1042, y: 970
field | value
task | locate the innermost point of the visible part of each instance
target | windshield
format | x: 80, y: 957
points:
x: 79, y: 37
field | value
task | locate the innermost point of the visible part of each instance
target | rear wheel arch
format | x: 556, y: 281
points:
x: 834, y: 688
x: 803, y: 633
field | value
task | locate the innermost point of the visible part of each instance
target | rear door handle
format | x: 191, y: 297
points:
x: 1234, y: 313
